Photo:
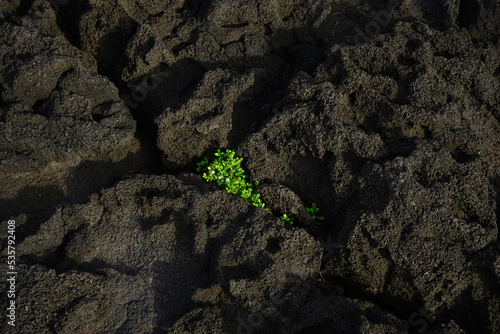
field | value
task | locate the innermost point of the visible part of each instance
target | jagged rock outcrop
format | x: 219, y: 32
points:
x: 383, y: 113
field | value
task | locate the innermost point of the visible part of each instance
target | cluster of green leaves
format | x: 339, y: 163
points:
x: 287, y: 219
x: 227, y: 172
x: 312, y: 211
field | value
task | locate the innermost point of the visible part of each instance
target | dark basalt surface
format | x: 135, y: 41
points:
x: 384, y: 113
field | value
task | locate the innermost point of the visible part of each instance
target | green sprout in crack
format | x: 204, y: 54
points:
x: 287, y: 219
x: 227, y: 172
x: 312, y: 211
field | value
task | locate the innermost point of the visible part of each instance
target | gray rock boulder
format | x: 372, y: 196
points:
x: 60, y: 121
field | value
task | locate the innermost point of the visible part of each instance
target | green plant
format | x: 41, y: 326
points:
x: 227, y: 172
x: 312, y: 211
x: 287, y: 219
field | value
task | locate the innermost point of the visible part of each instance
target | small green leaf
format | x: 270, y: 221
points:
x: 313, y: 210
x: 287, y: 219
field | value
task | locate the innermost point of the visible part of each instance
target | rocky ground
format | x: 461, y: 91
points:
x: 384, y: 113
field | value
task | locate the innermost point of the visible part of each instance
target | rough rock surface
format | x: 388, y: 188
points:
x: 170, y: 253
x: 61, y: 122
x: 217, y: 114
x: 384, y: 113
